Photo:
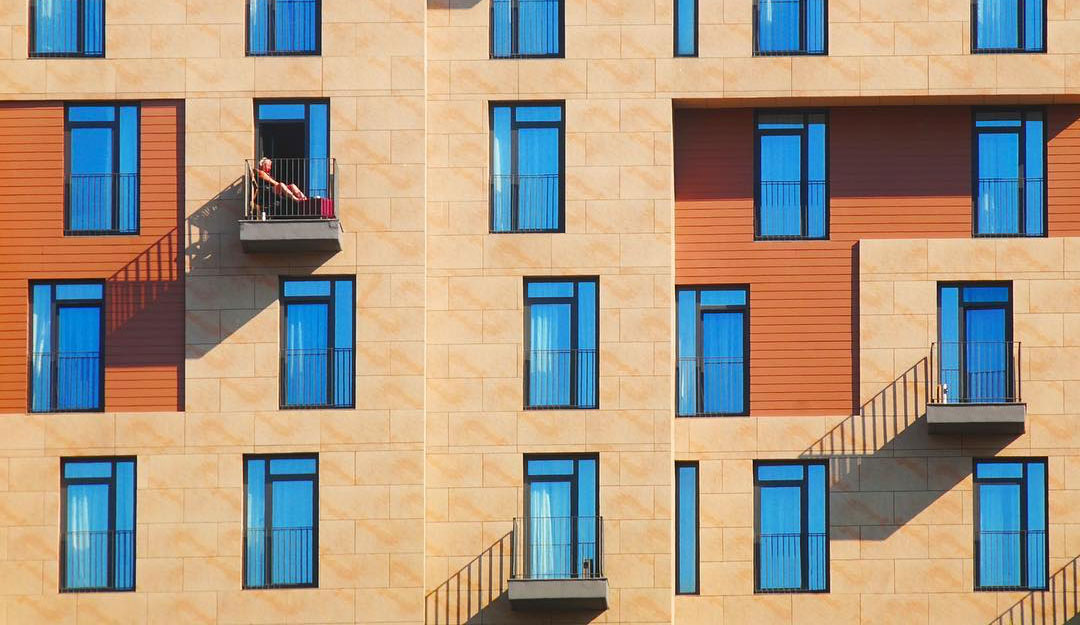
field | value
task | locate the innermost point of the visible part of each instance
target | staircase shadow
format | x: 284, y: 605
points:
x: 1059, y: 604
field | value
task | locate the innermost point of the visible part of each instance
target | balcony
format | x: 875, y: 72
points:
x: 792, y: 562
x: 711, y: 386
x: 317, y: 378
x: 976, y: 388
x: 66, y: 381
x: 276, y: 220
x: 102, y: 204
x: 791, y: 210
x: 526, y: 203
x: 1011, y: 207
x: 1011, y: 560
x: 280, y: 557
x: 560, y: 379
x: 98, y: 561
x: 557, y: 564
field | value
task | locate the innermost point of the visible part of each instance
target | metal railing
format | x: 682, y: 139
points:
x: 779, y: 31
x: 791, y: 209
x: 976, y: 372
x: 792, y: 562
x: 526, y: 28
x: 526, y: 202
x: 317, y: 378
x: 561, y: 378
x: 66, y: 381
x: 98, y: 560
x: 67, y: 28
x: 1011, y: 559
x: 711, y: 386
x: 557, y: 547
x: 279, y: 557
x: 102, y: 204
x: 1010, y: 207
x: 284, y: 27
x: 315, y: 177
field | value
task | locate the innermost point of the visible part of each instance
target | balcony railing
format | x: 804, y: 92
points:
x: 279, y: 557
x: 58, y: 28
x: 284, y: 27
x: 315, y: 177
x: 98, y: 560
x: 1011, y: 207
x: 561, y: 378
x: 711, y: 386
x: 778, y: 28
x: 317, y: 378
x: 526, y: 28
x: 1011, y: 560
x: 792, y: 562
x: 557, y: 548
x: 526, y: 203
x: 102, y: 204
x: 976, y: 372
x: 791, y: 209
x: 66, y: 381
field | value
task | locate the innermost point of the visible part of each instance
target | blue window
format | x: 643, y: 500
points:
x: 792, y: 194
x: 284, y: 27
x: 1008, y: 26
x: 1010, y: 524
x: 67, y: 28
x: 686, y: 27
x: 527, y: 147
x: 561, y: 335
x: 791, y: 525
x: 97, y: 545
x: 687, y: 541
x: 526, y: 28
x: 1010, y: 158
x: 976, y: 354
x: 67, y: 331
x: 790, y: 27
x: 281, y: 514
x: 295, y: 136
x: 318, y: 322
x: 562, y: 530
x: 103, y: 170
x: 714, y: 351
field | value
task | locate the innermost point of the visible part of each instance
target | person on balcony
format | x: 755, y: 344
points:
x: 265, y: 181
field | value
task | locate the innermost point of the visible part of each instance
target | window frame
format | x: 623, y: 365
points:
x: 697, y: 29
x: 114, y: 127
x: 513, y: 105
x: 1021, y: 38
x: 54, y: 330
x: 804, y: 516
x: 1013, y: 377
x: 32, y: 53
x: 574, y: 323
x: 283, y: 328
x: 272, y: 34
x: 699, y: 337
x: 575, y: 513
x: 1021, y: 112
x: 1023, y: 483
x: 515, y: 45
x: 804, y: 11
x: 111, y: 482
x: 804, y: 167
x: 268, y: 515
x: 686, y: 464
x: 306, y: 103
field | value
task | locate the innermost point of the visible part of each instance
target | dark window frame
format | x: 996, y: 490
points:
x: 114, y: 127
x: 111, y: 482
x: 574, y: 323
x: 573, y: 479
x: 961, y: 328
x: 271, y: 42
x: 804, y: 172
x: 804, y: 485
x: 515, y: 45
x: 268, y: 505
x: 804, y: 10
x: 1021, y: 37
x: 514, y: 127
x: 306, y: 102
x: 283, y: 328
x: 1023, y: 483
x: 697, y: 29
x: 54, y: 330
x: 698, y: 338
x: 1021, y: 131
x: 695, y: 465
x: 80, y: 37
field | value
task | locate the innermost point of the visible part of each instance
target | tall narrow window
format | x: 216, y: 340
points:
x: 976, y: 354
x: 1008, y: 26
x: 792, y: 193
x: 67, y: 332
x: 103, y: 170
x: 526, y: 28
x: 292, y: 146
x: 687, y: 556
x: 71, y: 28
x: 686, y: 27
x: 791, y: 518
x: 1010, y: 524
x: 284, y: 27
x: 1010, y: 158
x: 527, y: 147
x: 561, y: 335
x: 790, y: 27
x: 317, y: 323
x: 281, y: 514
x: 714, y: 351
x: 561, y: 535
x: 97, y: 535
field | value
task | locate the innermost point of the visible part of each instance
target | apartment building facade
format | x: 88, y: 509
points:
x: 517, y: 311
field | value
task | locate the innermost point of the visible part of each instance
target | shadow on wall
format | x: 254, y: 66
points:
x: 215, y: 219
x: 452, y: 4
x: 1058, y: 605
x: 476, y: 593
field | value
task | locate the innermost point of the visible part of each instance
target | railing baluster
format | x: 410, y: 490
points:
x: 561, y: 378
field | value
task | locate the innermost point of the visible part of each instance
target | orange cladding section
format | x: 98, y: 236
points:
x: 895, y: 172
x: 144, y: 277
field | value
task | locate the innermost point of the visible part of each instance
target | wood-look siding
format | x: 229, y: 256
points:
x: 144, y: 288
x: 895, y: 172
